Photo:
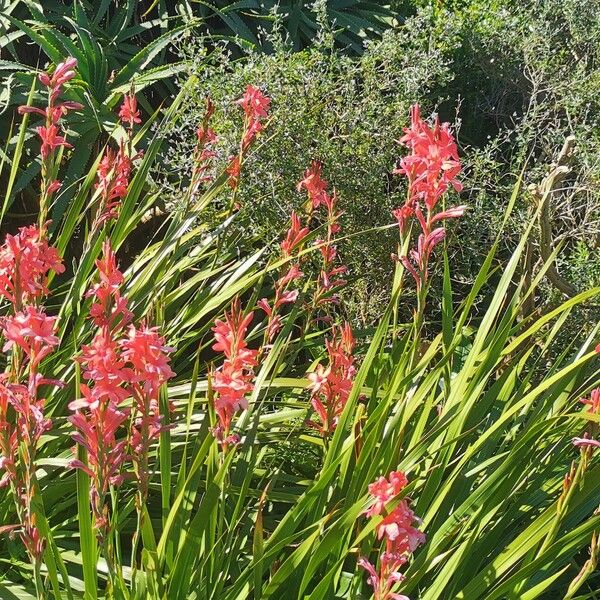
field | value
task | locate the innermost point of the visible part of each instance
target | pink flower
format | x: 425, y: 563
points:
x: 594, y: 408
x: 586, y: 442
x: 383, y: 584
x: 50, y: 140
x: 145, y: 350
x: 233, y: 380
x: 25, y: 261
x: 230, y: 335
x: 383, y: 491
x: 331, y: 386
x: 114, y: 172
x: 434, y: 164
x: 432, y: 168
x: 593, y: 401
x: 397, y: 528
x: 254, y: 103
x: 129, y: 113
x: 109, y: 308
x: 33, y: 331
x: 64, y: 72
x: 105, y: 367
x: 252, y: 130
x: 97, y: 433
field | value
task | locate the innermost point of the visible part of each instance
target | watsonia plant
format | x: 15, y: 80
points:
x: 303, y: 462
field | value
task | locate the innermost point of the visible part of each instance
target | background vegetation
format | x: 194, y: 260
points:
x: 479, y: 408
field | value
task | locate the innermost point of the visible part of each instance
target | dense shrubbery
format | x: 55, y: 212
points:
x: 495, y: 70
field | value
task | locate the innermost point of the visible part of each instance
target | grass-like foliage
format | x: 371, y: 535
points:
x: 184, y: 416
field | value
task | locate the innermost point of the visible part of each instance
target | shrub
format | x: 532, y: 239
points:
x: 492, y: 68
x: 327, y: 107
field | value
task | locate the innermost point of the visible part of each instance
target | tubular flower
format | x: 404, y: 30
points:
x: 121, y: 363
x: 32, y: 331
x: 328, y: 281
x: 114, y: 172
x: 65, y: 71
x: 97, y: 431
x: 49, y: 132
x: 206, y: 138
x: 25, y: 261
x: 433, y: 165
x: 397, y: 528
x: 315, y: 185
x: 233, y: 380
x: 384, y: 490
x: 109, y: 309
x: 432, y: 169
x: 50, y: 140
x: 256, y: 107
x: 587, y: 441
x: 295, y: 236
x: 233, y: 170
x: 97, y: 414
x: 129, y: 113
x: 254, y: 103
x: 331, y: 386
x: 144, y: 349
x: 290, y: 247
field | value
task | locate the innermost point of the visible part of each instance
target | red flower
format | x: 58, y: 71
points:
x: 295, y: 236
x: 50, y: 140
x: 233, y: 380
x: 114, y: 172
x: 25, y: 261
x: 254, y: 103
x: 129, y: 113
x: 331, y: 386
x: 256, y: 107
x: 233, y: 170
x: 315, y: 185
x: 33, y: 331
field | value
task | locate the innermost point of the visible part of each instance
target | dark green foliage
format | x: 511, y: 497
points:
x: 116, y: 48
x: 248, y: 20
